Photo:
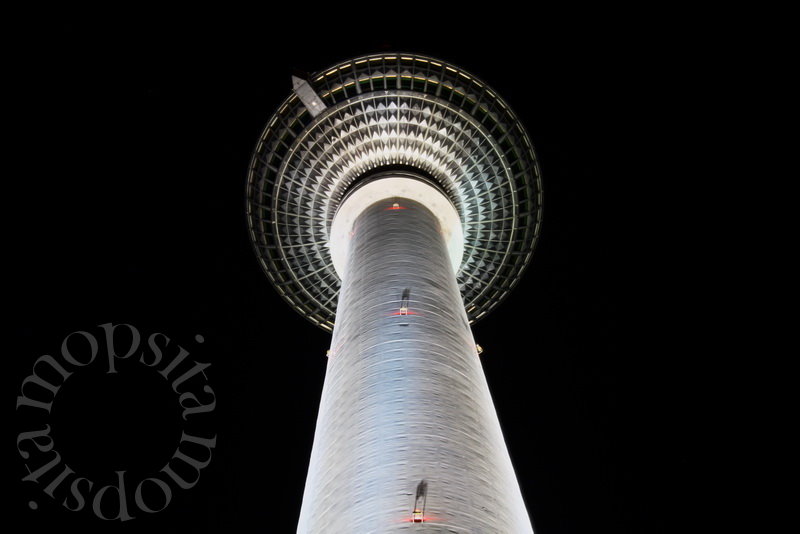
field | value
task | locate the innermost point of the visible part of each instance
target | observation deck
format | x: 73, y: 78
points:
x: 392, y: 112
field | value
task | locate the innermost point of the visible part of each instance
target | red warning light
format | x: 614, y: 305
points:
x: 421, y: 519
x: 395, y: 206
x: 404, y: 311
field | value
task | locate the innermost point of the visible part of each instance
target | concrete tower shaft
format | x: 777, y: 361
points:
x: 406, y: 421
x: 407, y: 436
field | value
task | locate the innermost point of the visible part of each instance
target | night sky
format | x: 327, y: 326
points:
x: 135, y: 139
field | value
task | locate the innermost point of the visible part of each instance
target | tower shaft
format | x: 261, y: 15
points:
x: 405, y: 399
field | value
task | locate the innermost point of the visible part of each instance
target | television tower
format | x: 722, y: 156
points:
x: 394, y: 200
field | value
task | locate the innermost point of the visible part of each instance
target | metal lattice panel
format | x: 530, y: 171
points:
x: 393, y: 110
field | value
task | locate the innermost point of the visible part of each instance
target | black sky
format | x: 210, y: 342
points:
x: 134, y: 142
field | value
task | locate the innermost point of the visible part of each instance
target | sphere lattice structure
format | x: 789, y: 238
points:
x: 401, y: 112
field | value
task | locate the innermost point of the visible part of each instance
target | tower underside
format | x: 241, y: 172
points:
x: 407, y: 437
x: 385, y: 112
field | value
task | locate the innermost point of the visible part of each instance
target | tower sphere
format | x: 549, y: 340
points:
x: 408, y: 114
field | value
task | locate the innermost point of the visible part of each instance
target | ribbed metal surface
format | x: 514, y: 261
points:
x: 405, y: 397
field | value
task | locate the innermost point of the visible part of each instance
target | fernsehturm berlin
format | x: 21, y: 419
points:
x: 394, y: 200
